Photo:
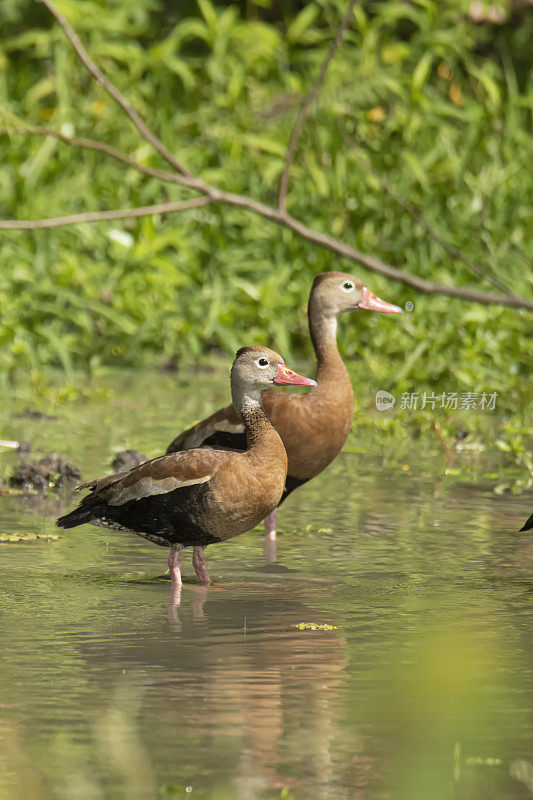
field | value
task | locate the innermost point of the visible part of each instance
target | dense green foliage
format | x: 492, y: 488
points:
x: 438, y: 103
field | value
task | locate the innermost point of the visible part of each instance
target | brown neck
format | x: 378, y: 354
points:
x: 331, y: 373
x: 263, y: 440
x: 256, y: 423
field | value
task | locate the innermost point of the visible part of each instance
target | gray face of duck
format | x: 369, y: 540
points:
x: 258, y: 368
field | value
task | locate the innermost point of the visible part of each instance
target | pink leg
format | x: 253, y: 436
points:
x: 174, y: 564
x: 270, y: 525
x: 200, y: 566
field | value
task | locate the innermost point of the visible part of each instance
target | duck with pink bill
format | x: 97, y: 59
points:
x: 199, y: 497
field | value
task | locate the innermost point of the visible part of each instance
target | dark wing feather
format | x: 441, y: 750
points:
x: 215, y: 431
x: 136, y: 499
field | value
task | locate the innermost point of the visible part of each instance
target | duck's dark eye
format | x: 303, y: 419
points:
x: 347, y: 286
x: 263, y: 362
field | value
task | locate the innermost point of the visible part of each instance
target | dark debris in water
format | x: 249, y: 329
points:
x: 34, y: 413
x: 128, y: 459
x: 52, y: 471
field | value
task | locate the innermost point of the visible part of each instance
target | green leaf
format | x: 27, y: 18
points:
x: 301, y: 23
x: 421, y: 72
x: 208, y: 12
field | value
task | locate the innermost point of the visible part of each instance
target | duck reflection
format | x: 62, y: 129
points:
x: 229, y: 669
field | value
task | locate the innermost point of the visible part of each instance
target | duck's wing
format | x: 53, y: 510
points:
x: 158, y: 476
x: 176, y: 473
x: 223, y: 430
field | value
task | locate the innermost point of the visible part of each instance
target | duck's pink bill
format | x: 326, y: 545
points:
x: 286, y: 377
x: 371, y: 302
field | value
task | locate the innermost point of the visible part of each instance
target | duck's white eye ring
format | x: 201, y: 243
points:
x: 262, y: 362
x: 347, y: 286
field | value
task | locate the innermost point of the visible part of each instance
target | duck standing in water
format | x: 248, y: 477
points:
x: 201, y: 496
x: 312, y: 426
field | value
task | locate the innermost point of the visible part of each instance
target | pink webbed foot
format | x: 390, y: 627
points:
x: 200, y: 566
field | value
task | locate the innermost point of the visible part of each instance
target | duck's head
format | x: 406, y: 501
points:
x: 258, y: 368
x: 336, y: 292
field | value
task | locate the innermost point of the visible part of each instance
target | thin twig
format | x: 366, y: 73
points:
x: 310, y: 97
x: 415, y: 214
x: 98, y: 216
x: 115, y: 93
x: 109, y: 150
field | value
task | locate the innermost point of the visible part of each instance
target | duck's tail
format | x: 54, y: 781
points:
x: 77, y: 517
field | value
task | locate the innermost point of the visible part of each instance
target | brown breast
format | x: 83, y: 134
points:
x: 250, y: 485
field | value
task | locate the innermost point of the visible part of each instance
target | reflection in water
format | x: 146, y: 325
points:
x: 228, y: 694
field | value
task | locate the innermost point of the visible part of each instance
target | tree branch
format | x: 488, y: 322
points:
x: 115, y: 93
x: 279, y: 217
x: 98, y: 216
x: 304, y: 111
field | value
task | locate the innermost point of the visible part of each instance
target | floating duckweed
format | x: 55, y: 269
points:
x: 314, y: 626
x: 18, y: 537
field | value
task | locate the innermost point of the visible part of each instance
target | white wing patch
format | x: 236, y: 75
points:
x: 148, y: 486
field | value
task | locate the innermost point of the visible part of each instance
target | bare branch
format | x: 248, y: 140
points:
x: 98, y: 216
x: 310, y: 97
x: 115, y: 93
x: 415, y: 214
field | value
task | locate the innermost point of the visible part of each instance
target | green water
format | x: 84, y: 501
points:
x: 424, y: 688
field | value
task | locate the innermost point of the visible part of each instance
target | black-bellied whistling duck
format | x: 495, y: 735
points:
x: 312, y: 426
x: 200, y: 497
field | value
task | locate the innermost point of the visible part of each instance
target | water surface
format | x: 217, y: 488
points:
x: 421, y: 688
